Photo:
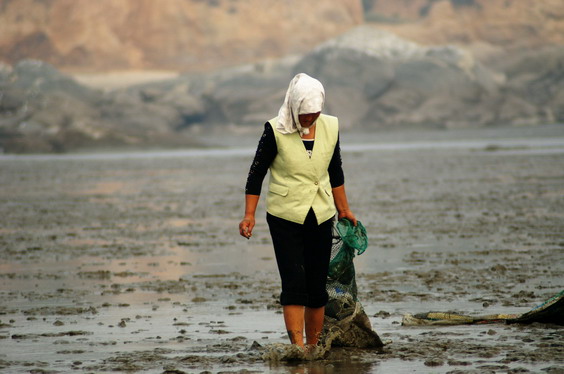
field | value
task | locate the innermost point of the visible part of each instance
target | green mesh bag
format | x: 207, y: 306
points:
x: 353, y: 236
x: 341, y: 282
x: 346, y: 323
x: 348, y: 239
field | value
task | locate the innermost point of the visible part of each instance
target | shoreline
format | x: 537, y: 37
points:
x: 506, y: 139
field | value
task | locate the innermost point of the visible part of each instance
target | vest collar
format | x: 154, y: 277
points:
x: 319, y: 133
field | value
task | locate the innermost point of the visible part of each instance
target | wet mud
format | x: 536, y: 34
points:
x: 135, y: 264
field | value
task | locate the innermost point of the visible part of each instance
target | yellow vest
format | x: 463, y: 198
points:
x: 298, y: 182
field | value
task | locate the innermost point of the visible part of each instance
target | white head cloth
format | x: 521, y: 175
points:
x: 305, y: 95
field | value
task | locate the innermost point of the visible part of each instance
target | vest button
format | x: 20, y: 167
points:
x: 316, y: 183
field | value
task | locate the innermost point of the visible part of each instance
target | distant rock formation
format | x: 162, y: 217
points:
x: 184, y: 35
x: 376, y: 79
x: 373, y: 79
x: 44, y: 111
x: 534, y: 92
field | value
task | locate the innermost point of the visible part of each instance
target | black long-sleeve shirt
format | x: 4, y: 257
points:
x: 266, y: 152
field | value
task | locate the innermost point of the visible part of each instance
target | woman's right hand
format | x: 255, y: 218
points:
x: 246, y: 227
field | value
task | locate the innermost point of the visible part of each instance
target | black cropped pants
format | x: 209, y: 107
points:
x: 302, y: 252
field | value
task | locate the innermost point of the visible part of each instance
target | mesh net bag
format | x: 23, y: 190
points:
x: 353, y: 236
x: 341, y: 281
x: 346, y: 323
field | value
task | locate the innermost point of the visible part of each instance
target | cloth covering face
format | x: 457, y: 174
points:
x: 305, y: 95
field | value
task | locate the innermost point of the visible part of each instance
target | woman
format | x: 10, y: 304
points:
x: 301, y: 149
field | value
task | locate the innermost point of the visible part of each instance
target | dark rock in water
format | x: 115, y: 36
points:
x: 382, y: 314
x: 256, y: 346
x: 434, y: 362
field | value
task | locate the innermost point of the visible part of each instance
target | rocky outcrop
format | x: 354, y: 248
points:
x: 534, y: 92
x: 376, y: 78
x: 186, y: 35
x: 372, y: 79
x: 43, y: 110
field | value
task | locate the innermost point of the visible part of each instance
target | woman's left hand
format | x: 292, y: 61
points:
x: 348, y: 215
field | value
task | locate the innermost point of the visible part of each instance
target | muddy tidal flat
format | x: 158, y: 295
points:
x: 131, y: 262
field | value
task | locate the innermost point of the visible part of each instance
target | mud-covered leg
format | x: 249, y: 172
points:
x: 314, y: 324
x: 294, y: 320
